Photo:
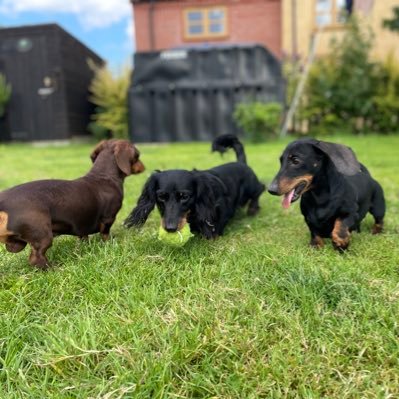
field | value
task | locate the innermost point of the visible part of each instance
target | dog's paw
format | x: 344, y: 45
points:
x: 341, y: 246
x: 377, y: 228
x: 317, y: 242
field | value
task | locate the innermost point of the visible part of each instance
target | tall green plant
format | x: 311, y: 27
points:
x: 5, y: 94
x: 341, y: 85
x: 109, y: 93
x: 258, y: 120
x: 385, y: 115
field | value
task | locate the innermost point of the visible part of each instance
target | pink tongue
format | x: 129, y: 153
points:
x: 287, y: 199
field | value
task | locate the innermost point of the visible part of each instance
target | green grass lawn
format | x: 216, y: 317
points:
x: 253, y: 314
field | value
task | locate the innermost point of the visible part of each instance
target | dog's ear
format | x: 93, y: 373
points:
x: 99, y: 147
x: 208, y: 189
x: 145, y: 204
x: 343, y: 158
x: 124, y: 155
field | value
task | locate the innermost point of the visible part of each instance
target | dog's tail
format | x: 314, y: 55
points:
x: 223, y: 143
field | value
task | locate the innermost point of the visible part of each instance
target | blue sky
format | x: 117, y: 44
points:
x: 106, y: 26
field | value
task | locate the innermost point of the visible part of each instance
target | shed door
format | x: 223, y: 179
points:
x: 30, y: 115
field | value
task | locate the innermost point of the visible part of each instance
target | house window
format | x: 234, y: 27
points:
x: 205, y: 23
x: 332, y: 12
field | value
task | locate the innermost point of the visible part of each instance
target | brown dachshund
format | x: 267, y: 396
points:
x: 33, y: 213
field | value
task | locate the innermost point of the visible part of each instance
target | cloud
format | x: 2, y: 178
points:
x: 130, y: 32
x: 90, y: 13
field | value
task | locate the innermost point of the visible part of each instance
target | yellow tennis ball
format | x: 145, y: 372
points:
x: 176, y: 239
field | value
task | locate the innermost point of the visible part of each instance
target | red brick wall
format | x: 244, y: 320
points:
x: 249, y: 21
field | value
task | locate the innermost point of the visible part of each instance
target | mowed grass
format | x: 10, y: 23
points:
x: 253, y: 314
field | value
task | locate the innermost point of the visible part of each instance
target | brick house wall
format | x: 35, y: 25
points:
x: 248, y: 21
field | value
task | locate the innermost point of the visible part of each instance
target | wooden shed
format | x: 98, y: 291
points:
x: 49, y: 73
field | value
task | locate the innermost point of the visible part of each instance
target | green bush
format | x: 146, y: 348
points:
x: 385, y: 115
x: 5, y: 94
x: 348, y: 92
x: 258, y: 120
x: 341, y: 85
x: 109, y: 94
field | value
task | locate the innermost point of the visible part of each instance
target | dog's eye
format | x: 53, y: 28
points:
x: 295, y: 161
x: 162, y: 197
x: 183, y: 196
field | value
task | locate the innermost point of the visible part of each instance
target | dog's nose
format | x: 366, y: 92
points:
x: 273, y: 188
x: 170, y: 227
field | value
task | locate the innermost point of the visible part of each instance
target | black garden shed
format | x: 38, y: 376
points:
x: 189, y: 94
x: 49, y: 74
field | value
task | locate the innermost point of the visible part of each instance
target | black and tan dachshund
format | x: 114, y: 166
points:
x: 336, y: 190
x: 207, y: 199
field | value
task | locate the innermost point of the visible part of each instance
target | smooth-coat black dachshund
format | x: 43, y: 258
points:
x: 207, y: 199
x: 336, y: 190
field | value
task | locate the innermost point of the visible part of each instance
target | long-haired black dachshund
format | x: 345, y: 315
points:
x: 336, y: 190
x: 207, y: 199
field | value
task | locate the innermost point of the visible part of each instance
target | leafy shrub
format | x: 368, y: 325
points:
x: 258, y: 120
x: 346, y: 91
x: 5, y: 94
x: 341, y: 85
x: 109, y: 94
x: 385, y: 115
